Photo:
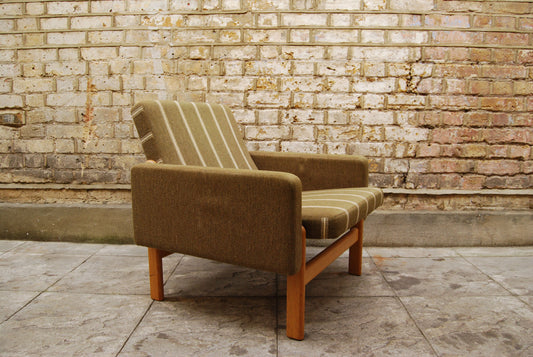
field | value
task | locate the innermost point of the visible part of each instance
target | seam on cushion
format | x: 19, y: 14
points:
x: 342, y: 194
x: 334, y: 207
x: 325, y: 227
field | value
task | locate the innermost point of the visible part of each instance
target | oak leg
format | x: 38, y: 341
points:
x: 296, y: 300
x: 356, y: 252
x: 155, y: 267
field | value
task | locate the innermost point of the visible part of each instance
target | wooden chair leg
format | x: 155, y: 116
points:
x: 155, y: 267
x: 356, y: 253
x: 296, y: 300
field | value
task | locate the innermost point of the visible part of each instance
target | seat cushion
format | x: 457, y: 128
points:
x: 328, y: 214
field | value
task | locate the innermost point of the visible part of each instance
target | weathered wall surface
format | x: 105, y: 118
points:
x: 437, y: 94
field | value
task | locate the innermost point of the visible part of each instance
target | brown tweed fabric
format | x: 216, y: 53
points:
x: 212, y: 201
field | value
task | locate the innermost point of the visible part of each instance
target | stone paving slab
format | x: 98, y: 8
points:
x: 93, y: 299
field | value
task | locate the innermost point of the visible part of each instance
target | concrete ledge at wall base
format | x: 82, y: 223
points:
x: 113, y: 224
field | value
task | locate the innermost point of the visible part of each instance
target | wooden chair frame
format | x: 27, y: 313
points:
x: 353, y: 240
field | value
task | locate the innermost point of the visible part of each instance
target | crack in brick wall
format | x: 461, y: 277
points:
x: 437, y: 94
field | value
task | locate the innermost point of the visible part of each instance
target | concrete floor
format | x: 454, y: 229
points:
x: 65, y: 299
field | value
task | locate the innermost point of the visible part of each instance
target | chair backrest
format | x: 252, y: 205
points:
x: 184, y: 133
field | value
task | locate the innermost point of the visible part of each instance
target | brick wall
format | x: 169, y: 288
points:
x: 437, y: 94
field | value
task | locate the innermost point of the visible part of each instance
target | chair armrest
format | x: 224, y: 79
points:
x: 317, y: 171
x: 245, y: 217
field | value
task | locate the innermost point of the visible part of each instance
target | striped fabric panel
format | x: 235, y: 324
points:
x: 331, y: 213
x: 199, y: 134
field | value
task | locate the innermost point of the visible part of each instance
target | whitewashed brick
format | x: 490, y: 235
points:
x: 98, y: 53
x: 301, y: 84
x: 301, y: 147
x: 341, y: 20
x: 13, y: 9
x: 37, y: 55
x: 302, y: 52
x: 417, y: 37
x: 303, y: 116
x: 184, y: 5
x: 376, y: 20
x: 375, y: 86
x: 394, y: 133
x: 303, y: 68
x: 299, y: 35
x: 147, y: 5
x: 339, y: 4
x: 107, y: 6
x: 373, y: 117
x: 87, y: 22
x: 376, y: 5
x: 336, y: 36
x: 31, y: 85
x: 373, y: 36
x: 412, y: 5
x: 35, y: 9
x: 265, y: 132
x: 105, y: 37
x: 231, y: 83
x: 267, y: 67
x: 269, y: 99
x: 66, y: 68
x: 10, y: 101
x: 265, y: 36
x: 235, y: 52
x: 338, y: 100
x: 295, y: 19
x: 10, y: 70
x: 303, y: 132
x: 338, y: 117
x: 66, y: 99
x: 66, y: 38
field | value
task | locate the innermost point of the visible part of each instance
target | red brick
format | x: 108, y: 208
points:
x: 505, y: 136
x: 453, y: 102
x: 456, y: 37
x: 452, y: 118
x: 502, y: 104
x: 482, y: 21
x: 506, y: 39
x: 450, y: 165
x: 500, y: 119
x: 480, y: 54
x: 481, y: 119
x: 456, y: 70
x: 504, y: 55
x: 525, y: 56
x: 504, y: 71
x: 498, y: 167
x: 504, y: 22
x: 435, y: 53
x: 519, y: 152
x: 444, y: 135
x: 428, y: 150
x: 429, y: 119
x: 448, y: 181
x: 479, y: 86
x: 472, y: 182
x: 502, y: 88
x: 497, y: 151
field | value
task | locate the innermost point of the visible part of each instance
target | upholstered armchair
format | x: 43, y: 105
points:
x: 204, y: 194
